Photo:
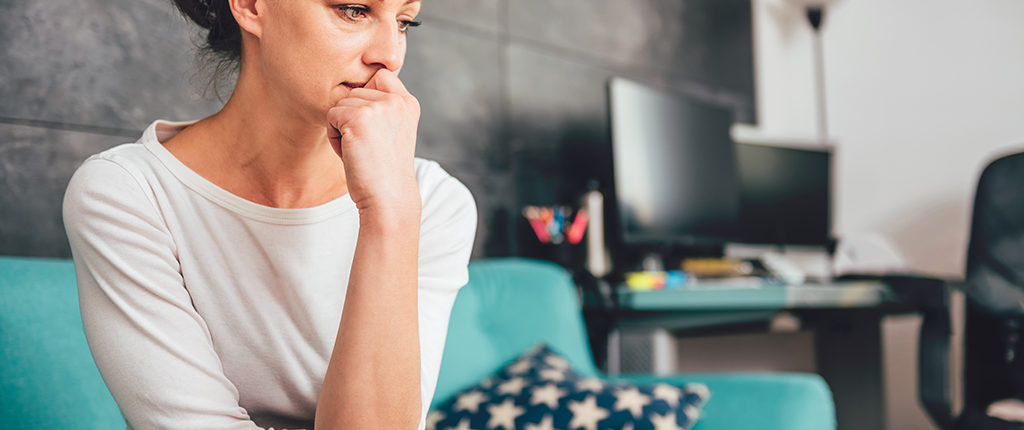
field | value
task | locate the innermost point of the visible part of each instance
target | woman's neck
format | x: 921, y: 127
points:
x: 262, y: 151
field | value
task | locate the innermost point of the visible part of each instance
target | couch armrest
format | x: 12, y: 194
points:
x: 766, y: 401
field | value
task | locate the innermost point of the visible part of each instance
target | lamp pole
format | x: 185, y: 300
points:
x: 816, y: 16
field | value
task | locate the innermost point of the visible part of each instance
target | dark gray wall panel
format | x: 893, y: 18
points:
x: 703, y: 40
x: 35, y: 166
x: 479, y: 15
x: 494, y: 195
x: 112, y: 63
x: 456, y: 80
x: 557, y: 123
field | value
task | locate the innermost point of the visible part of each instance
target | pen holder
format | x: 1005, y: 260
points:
x: 557, y: 234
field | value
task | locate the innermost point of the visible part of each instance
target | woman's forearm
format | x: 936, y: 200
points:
x: 373, y: 378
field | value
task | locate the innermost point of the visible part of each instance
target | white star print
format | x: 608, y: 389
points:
x: 552, y: 375
x: 504, y: 415
x: 557, y: 362
x: 433, y: 418
x: 667, y: 393
x: 691, y: 413
x: 628, y: 426
x: 586, y: 414
x: 548, y: 395
x: 470, y: 401
x: 463, y: 425
x: 700, y: 390
x: 513, y: 386
x: 667, y: 422
x: 544, y: 424
x: 590, y: 384
x: 520, y: 367
x: 633, y: 400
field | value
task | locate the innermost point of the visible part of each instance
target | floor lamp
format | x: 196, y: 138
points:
x: 814, y: 10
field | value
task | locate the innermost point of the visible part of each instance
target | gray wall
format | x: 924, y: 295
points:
x: 512, y: 93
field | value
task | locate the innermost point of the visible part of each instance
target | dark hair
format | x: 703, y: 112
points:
x: 222, y: 48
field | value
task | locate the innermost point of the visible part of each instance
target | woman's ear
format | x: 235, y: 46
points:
x: 248, y: 13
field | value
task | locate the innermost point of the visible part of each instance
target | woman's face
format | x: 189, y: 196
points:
x: 313, y: 52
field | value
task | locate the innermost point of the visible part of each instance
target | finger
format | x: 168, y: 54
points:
x: 334, y: 136
x: 337, y: 120
x: 340, y: 116
x: 353, y: 102
x: 366, y: 94
x: 386, y: 81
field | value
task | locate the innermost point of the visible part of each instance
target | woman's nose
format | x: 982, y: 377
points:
x: 386, y: 47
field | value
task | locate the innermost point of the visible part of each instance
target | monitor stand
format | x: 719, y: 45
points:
x: 670, y: 257
x: 652, y: 262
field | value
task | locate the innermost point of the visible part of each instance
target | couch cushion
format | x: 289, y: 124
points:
x: 540, y: 390
x: 47, y: 377
x: 508, y: 306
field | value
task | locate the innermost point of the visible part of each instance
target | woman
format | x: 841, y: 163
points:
x: 286, y: 259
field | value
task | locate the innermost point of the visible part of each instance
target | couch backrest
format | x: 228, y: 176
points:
x: 508, y: 306
x: 48, y: 379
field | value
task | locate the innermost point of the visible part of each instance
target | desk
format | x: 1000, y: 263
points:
x: 725, y: 295
x: 845, y: 318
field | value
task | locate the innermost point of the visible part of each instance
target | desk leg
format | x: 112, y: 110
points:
x: 600, y: 325
x: 848, y: 348
x: 613, y: 365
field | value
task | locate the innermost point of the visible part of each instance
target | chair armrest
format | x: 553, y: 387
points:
x: 933, y: 355
x: 766, y: 401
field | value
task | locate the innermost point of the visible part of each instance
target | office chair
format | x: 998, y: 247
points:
x: 994, y: 287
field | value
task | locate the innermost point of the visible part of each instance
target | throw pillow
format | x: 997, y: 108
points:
x: 540, y: 391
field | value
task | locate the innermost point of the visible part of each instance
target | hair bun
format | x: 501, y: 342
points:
x: 214, y: 15
x: 200, y: 12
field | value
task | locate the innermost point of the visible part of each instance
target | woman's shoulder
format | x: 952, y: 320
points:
x: 123, y: 172
x: 122, y: 162
x: 436, y: 184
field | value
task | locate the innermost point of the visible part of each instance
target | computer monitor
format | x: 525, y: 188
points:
x: 785, y: 194
x: 674, y: 167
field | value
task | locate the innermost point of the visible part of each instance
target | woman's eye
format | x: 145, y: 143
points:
x: 403, y: 26
x: 353, y: 13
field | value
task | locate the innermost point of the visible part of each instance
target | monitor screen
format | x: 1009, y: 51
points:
x: 785, y: 194
x: 674, y: 167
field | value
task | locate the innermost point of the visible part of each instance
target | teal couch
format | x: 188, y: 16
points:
x: 48, y: 379
x: 512, y: 304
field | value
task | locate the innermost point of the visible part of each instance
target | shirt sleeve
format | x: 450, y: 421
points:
x: 152, y: 348
x: 447, y: 232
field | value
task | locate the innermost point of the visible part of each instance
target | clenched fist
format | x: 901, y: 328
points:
x: 373, y: 130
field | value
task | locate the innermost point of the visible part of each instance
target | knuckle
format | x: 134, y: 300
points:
x: 335, y: 115
x: 363, y: 113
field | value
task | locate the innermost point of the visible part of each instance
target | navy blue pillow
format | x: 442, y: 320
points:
x: 540, y: 391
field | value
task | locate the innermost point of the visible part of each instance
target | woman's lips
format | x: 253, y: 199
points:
x: 353, y: 85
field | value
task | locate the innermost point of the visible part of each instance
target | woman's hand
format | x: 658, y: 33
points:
x: 373, y: 130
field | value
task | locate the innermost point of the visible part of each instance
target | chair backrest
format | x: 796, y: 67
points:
x: 48, y: 379
x: 995, y: 288
x: 995, y: 255
x: 508, y: 306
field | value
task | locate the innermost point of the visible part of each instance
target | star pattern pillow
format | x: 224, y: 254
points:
x: 540, y: 391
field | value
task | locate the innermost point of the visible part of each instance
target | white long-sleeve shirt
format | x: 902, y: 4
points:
x: 204, y: 310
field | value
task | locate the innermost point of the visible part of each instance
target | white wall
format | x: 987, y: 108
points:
x: 921, y: 95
